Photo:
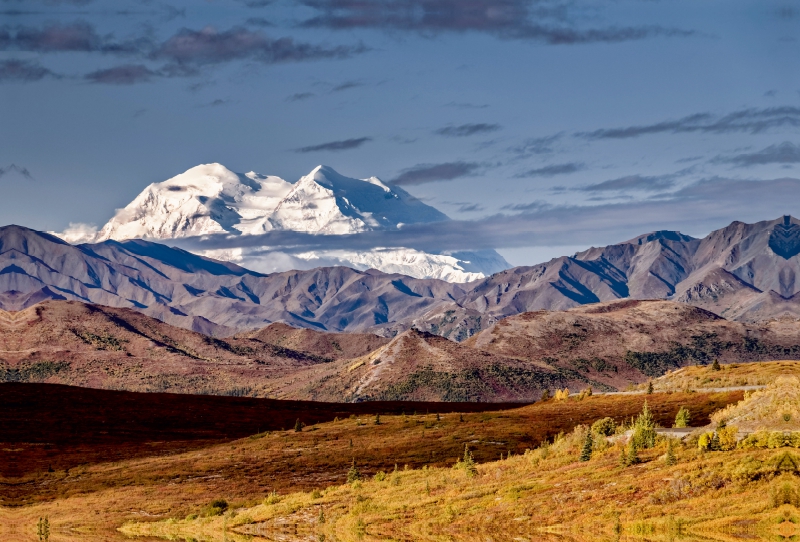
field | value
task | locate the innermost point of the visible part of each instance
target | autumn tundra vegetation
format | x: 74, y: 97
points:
x: 613, y: 474
x: 715, y: 464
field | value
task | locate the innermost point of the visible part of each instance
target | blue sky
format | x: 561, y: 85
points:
x: 541, y: 127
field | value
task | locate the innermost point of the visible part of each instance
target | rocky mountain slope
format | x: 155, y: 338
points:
x: 211, y: 199
x: 606, y: 346
x: 745, y: 272
x: 205, y: 295
x: 101, y: 347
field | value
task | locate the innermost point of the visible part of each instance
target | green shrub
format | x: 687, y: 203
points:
x: 215, y: 508
x: 683, y: 417
x: 604, y: 427
x: 353, y: 475
x: 272, y: 498
x: 586, y: 450
x: 468, y: 463
x: 670, y: 458
x: 644, y: 430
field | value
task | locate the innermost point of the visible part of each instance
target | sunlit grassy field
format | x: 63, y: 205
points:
x: 95, y: 499
x: 700, y: 377
x: 585, y: 484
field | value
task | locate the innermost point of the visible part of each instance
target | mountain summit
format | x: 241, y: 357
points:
x: 211, y: 199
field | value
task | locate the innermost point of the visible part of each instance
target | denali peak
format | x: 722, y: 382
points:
x: 212, y: 199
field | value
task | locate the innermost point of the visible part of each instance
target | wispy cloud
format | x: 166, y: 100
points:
x: 23, y: 171
x: 633, y: 182
x: 507, y: 19
x: 782, y: 153
x: 58, y: 38
x: 127, y: 74
x: 180, y: 55
x: 527, y: 207
x: 347, y: 85
x: 553, y: 170
x: 536, y: 146
x: 431, y: 173
x: 300, y: 96
x: 23, y: 71
x: 747, y: 120
x: 210, y: 46
x: 466, y: 130
x: 466, y: 105
x: 343, y: 145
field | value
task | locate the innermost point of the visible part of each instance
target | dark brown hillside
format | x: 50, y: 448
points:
x: 631, y: 341
x: 73, y: 343
x: 315, y: 343
x: 60, y: 427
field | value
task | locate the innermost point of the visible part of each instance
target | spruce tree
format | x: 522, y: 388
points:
x: 353, y: 475
x: 633, y: 454
x: 545, y: 395
x: 715, y: 366
x: 588, y: 443
x: 683, y: 417
x: 670, y: 458
x: 469, y: 462
x: 714, y: 445
x: 298, y: 426
x: 650, y: 388
x: 644, y: 429
x: 377, y: 419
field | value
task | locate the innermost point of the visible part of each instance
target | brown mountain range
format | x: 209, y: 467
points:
x: 744, y: 272
x: 606, y: 346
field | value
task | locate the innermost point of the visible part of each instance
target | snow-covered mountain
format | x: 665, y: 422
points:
x: 211, y: 199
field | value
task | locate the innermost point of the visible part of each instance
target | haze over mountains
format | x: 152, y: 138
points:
x: 744, y: 272
x: 211, y: 199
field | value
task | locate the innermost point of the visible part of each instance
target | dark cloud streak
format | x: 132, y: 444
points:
x: 23, y: 71
x: 783, y: 153
x: 632, y: 182
x: 209, y: 46
x: 751, y: 121
x: 18, y: 169
x: 507, y: 19
x: 335, y: 146
x: 553, y: 170
x: 431, y: 173
x: 466, y: 130
x: 128, y: 74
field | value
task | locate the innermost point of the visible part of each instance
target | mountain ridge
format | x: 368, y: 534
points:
x: 743, y: 272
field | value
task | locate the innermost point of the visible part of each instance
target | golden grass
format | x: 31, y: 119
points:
x: 701, y: 377
x: 523, y: 497
x: 96, y: 499
x: 724, y: 495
